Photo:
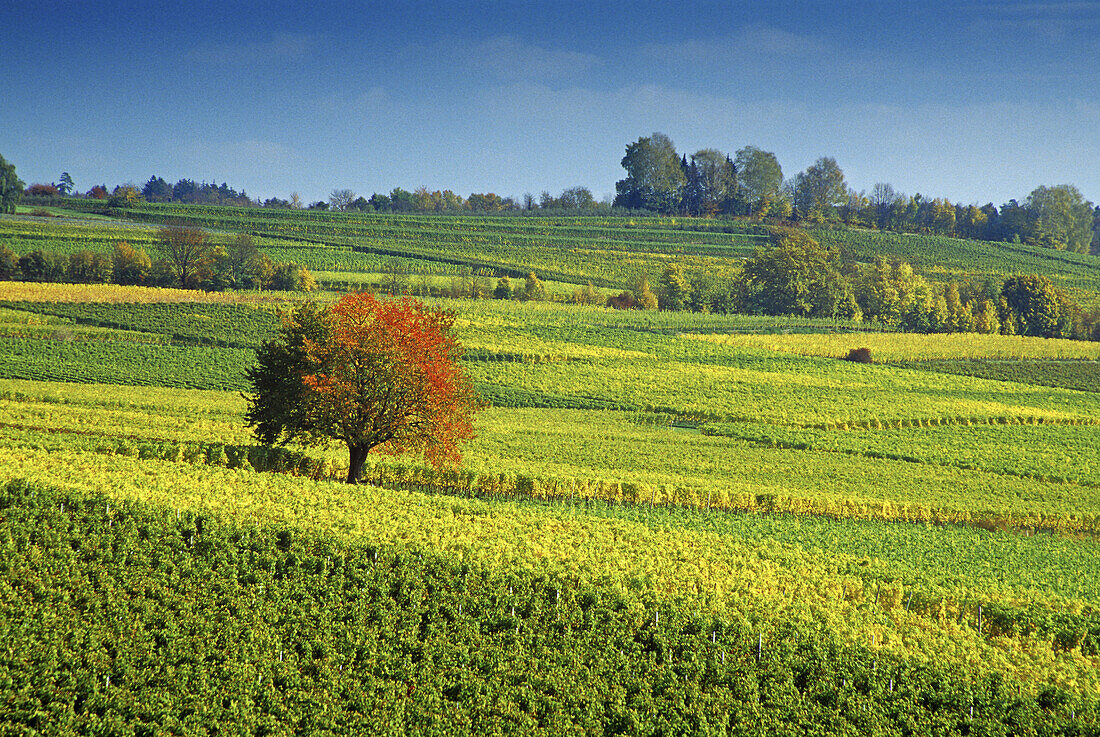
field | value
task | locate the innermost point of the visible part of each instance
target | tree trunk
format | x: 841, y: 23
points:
x: 358, y: 454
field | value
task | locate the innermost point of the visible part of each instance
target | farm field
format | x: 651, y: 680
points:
x: 611, y: 252
x: 671, y: 521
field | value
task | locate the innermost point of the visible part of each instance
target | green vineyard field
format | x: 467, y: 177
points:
x: 667, y: 522
x: 138, y: 617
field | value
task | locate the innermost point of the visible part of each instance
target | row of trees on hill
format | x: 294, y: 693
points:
x: 190, y: 192
x: 155, y: 190
x: 798, y: 276
x: 751, y: 183
x: 187, y: 191
x: 422, y: 199
x: 659, y: 179
x: 187, y: 259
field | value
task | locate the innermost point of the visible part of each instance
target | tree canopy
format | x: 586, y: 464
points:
x: 820, y: 188
x: 654, y: 175
x: 376, y: 375
x: 187, y: 251
x: 1060, y: 218
x: 1036, y: 307
x: 759, y: 177
x: 796, y: 276
x: 710, y: 183
x: 11, y: 187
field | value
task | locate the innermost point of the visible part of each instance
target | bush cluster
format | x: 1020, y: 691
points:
x: 219, y: 269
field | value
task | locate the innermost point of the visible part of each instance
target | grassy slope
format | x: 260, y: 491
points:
x: 628, y: 384
x: 857, y: 577
x: 611, y: 252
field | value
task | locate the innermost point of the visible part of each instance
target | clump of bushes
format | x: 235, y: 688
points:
x: 859, y: 355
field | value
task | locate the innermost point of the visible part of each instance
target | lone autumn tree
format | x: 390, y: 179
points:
x: 376, y: 375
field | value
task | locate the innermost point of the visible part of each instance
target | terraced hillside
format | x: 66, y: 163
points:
x: 611, y: 252
x: 668, y: 522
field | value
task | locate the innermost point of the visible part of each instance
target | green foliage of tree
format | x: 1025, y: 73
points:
x: 65, y: 184
x: 644, y: 297
x: 488, y: 202
x: 34, y: 266
x: 533, y: 289
x: 673, y: 290
x: 572, y: 198
x: 239, y: 265
x: 889, y: 292
x: 401, y: 200
x: 1096, y: 231
x: 711, y: 183
x: 125, y: 195
x: 587, y: 296
x: 290, y: 277
x: 1059, y: 217
x: 380, y: 202
x: 1036, y: 308
x: 984, y: 318
x: 926, y: 312
x: 11, y: 187
x: 9, y: 263
x: 760, y: 178
x: 278, y: 407
x: 87, y: 267
x: 157, y: 190
x: 710, y: 294
x: 130, y: 266
x: 796, y: 276
x: 503, y: 288
x: 958, y: 314
x: 654, y: 176
x: 820, y: 189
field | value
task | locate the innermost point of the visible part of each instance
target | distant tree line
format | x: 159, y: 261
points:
x: 189, y: 192
x: 572, y: 199
x: 798, y: 276
x: 155, y: 190
x: 751, y: 184
x: 421, y: 200
x: 186, y: 259
x: 707, y: 183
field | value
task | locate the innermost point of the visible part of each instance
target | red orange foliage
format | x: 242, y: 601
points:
x: 386, y: 378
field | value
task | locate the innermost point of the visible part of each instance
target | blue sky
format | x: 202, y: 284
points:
x: 974, y: 101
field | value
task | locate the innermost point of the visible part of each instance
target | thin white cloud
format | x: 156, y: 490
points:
x: 373, y: 103
x: 1054, y: 22
x: 757, y: 43
x: 505, y: 58
x: 509, y: 57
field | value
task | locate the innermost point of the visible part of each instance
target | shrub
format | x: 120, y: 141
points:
x: 859, y: 355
